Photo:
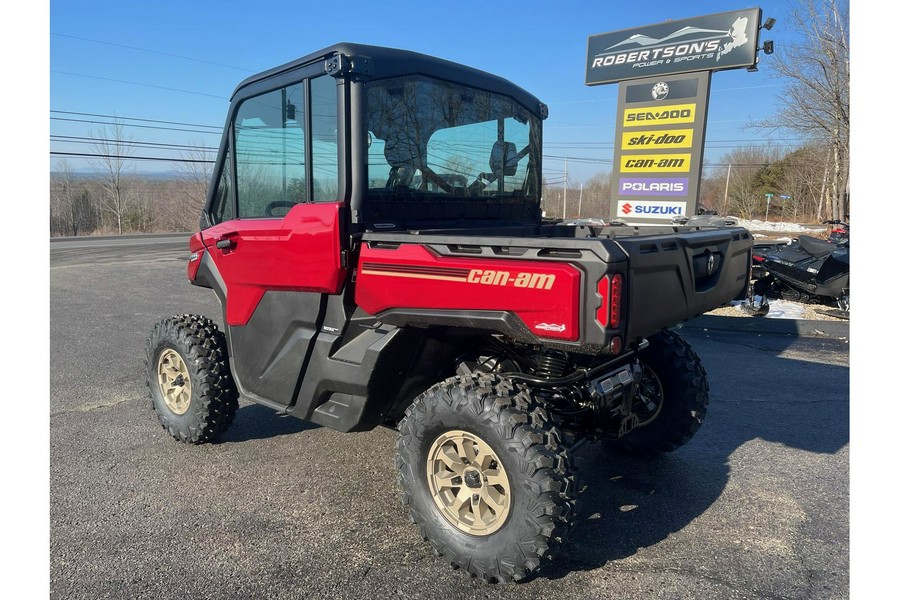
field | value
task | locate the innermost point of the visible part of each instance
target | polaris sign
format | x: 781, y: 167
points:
x: 708, y: 43
x: 654, y: 186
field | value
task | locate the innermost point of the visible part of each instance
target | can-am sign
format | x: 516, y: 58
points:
x: 711, y: 42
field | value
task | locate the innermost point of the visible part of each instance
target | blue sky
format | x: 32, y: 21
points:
x: 180, y: 61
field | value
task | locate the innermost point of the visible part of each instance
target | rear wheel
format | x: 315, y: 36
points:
x: 671, y: 400
x: 190, y: 384
x: 485, y: 477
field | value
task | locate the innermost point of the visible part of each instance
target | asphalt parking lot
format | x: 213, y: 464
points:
x: 755, y: 506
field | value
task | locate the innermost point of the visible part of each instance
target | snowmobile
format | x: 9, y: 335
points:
x: 761, y: 250
x: 840, y: 232
x: 809, y: 270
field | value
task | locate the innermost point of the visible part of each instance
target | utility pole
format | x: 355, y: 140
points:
x: 727, y: 180
x: 580, y: 196
x: 565, y: 184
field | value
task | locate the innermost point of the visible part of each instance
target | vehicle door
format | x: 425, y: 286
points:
x: 275, y: 235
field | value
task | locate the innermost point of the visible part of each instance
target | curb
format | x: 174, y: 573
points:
x: 761, y: 325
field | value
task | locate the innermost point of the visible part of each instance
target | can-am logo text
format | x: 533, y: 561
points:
x: 540, y: 281
x: 655, y: 163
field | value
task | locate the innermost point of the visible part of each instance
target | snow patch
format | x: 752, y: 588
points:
x: 756, y: 225
x: 778, y: 309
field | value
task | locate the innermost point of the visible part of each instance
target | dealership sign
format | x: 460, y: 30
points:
x: 664, y: 72
x: 660, y: 127
x: 708, y: 43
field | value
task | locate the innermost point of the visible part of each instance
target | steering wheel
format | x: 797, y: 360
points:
x: 271, y: 206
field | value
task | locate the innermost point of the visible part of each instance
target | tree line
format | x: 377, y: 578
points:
x: 125, y: 203
x: 799, y: 181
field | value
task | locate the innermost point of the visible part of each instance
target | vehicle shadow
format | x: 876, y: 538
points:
x: 629, y: 503
x: 257, y: 422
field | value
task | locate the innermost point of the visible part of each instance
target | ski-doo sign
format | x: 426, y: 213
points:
x: 708, y: 43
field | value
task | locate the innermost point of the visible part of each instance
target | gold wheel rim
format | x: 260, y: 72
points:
x: 174, y: 381
x: 468, y: 483
x: 649, y: 399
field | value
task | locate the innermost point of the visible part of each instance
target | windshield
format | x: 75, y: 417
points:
x: 433, y: 139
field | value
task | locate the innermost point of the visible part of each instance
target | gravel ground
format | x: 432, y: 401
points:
x: 811, y: 312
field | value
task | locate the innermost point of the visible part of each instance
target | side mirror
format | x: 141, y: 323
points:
x: 504, y: 159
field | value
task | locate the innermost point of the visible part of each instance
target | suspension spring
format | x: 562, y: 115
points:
x: 551, y: 363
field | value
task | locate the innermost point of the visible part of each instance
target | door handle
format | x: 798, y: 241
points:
x: 225, y: 244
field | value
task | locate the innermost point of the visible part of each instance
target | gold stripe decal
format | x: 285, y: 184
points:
x: 414, y: 276
x: 523, y: 279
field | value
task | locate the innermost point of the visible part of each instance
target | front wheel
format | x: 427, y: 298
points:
x: 671, y: 400
x: 190, y: 383
x: 485, y: 477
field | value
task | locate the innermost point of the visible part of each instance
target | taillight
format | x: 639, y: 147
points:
x: 615, y: 301
x: 609, y: 288
x: 603, y: 292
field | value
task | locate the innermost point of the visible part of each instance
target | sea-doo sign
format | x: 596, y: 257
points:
x: 708, y: 43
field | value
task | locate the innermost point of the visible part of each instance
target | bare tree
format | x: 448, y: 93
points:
x: 804, y: 179
x: 112, y: 150
x: 745, y: 187
x: 196, y: 168
x: 713, y: 189
x: 597, y: 193
x: 62, y: 199
x: 816, y: 99
x: 71, y: 209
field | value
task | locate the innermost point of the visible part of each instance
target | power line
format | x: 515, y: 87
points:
x: 157, y: 128
x: 206, y: 62
x: 68, y: 139
x: 115, y: 156
x: 562, y: 144
x: 119, y: 117
x: 159, y: 87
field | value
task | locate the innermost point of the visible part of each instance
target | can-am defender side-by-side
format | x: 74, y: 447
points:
x: 374, y: 234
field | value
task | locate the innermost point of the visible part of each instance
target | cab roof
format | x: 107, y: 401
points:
x: 377, y: 62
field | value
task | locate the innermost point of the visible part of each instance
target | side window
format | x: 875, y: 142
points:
x: 323, y: 108
x: 270, y: 153
x: 223, y: 203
